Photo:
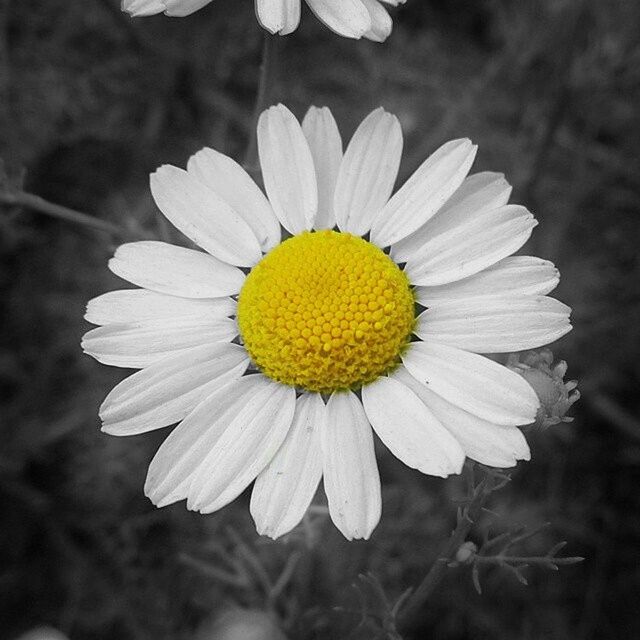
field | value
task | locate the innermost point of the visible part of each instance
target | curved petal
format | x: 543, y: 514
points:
x: 204, y: 217
x: 177, y: 271
x: 284, y: 489
x: 424, y: 193
x: 351, y: 479
x: 410, y: 431
x: 472, y: 382
x: 347, y: 18
x: 463, y: 250
x: 278, y: 16
x: 381, y: 23
x: 368, y: 172
x: 234, y: 185
x: 187, y: 446
x: 249, y: 442
x: 323, y: 136
x: 142, y: 8
x: 140, y: 305
x: 513, y: 276
x: 287, y: 168
x: 495, y: 325
x: 181, y: 8
x: 167, y: 391
x: 487, y: 443
x: 478, y: 193
x: 139, y: 344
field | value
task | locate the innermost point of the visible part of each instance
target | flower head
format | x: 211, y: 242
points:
x: 349, y: 18
x: 282, y: 357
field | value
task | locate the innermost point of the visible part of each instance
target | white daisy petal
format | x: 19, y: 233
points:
x: 139, y: 344
x: 141, y: 8
x: 478, y: 193
x: 140, y: 305
x: 278, y: 16
x: 351, y: 479
x: 487, y: 443
x: 426, y: 191
x: 288, y: 169
x: 284, y: 489
x: 410, y: 431
x: 381, y: 23
x: 324, y: 140
x: 204, y: 217
x: 251, y: 439
x: 167, y: 391
x: 513, y: 276
x: 175, y: 270
x: 468, y: 248
x: 472, y: 382
x: 181, y: 8
x: 234, y: 185
x: 368, y: 172
x: 495, y: 325
x: 348, y: 18
x: 187, y: 446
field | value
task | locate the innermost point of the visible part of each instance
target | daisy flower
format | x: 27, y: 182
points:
x: 349, y: 18
x: 282, y: 357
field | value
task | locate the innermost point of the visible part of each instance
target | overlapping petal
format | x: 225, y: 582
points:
x: 284, y: 489
x: 278, y: 16
x: 472, y: 382
x: 351, y: 479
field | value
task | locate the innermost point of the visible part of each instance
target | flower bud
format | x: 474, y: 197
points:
x: 466, y: 552
x: 556, y: 396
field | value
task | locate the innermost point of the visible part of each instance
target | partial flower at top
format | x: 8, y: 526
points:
x: 349, y: 18
x: 283, y: 357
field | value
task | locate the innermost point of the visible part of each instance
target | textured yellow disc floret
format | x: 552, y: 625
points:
x: 326, y: 311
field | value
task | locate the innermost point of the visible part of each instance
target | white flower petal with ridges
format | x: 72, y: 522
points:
x: 348, y: 18
x: 351, y: 479
x: 472, y: 382
x: 424, y: 193
x: 141, y: 8
x: 141, y: 305
x: 368, y: 172
x: 182, y: 8
x: 495, y: 325
x: 187, y: 446
x: 409, y: 430
x: 140, y: 344
x: 324, y: 140
x: 234, y: 185
x: 250, y: 440
x: 278, y: 16
x: 166, y: 268
x: 167, y: 391
x: 381, y: 23
x: 287, y: 169
x: 468, y: 248
x: 482, y: 441
x: 284, y: 489
x: 204, y: 217
x: 478, y: 193
x: 513, y: 276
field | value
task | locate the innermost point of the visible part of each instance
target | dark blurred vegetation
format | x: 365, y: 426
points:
x: 92, y: 102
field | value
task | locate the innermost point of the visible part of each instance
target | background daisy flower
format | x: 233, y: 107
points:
x: 349, y: 18
x: 282, y: 357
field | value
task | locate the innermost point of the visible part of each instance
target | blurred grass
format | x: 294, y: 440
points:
x: 550, y: 90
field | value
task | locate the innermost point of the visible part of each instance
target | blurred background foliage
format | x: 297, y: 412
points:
x: 93, y: 101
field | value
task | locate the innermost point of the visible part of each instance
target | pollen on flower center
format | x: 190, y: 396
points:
x: 326, y: 311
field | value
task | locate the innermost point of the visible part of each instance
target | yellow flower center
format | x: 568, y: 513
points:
x: 326, y: 311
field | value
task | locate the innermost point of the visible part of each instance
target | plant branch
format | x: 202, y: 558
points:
x: 36, y: 203
x: 267, y: 78
x: 467, y: 516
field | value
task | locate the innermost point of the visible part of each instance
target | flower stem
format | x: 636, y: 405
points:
x: 411, y: 612
x: 36, y: 203
x: 266, y: 81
